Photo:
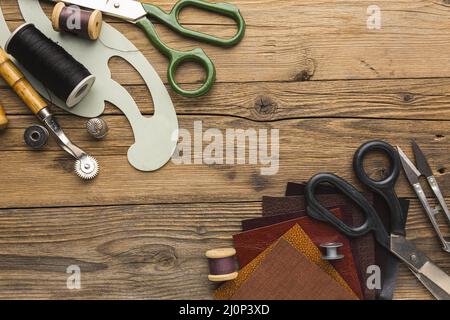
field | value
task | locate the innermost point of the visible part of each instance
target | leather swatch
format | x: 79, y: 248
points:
x: 288, y: 275
x: 250, y: 244
x: 296, y: 210
x: 363, y: 248
x: 297, y: 237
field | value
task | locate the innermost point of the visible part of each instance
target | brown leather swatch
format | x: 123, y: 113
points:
x: 297, y: 237
x: 250, y: 244
x: 363, y: 248
x: 286, y: 274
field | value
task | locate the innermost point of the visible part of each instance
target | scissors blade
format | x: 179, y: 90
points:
x: 413, y: 177
x: 410, y: 169
x: 425, y: 270
x: 437, y: 292
x: 425, y: 169
x: 421, y: 160
x: 129, y: 10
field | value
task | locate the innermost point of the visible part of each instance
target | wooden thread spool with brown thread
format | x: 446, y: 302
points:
x: 222, y: 264
x: 3, y: 119
x: 90, y: 21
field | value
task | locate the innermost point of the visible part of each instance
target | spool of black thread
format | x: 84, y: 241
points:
x: 48, y: 62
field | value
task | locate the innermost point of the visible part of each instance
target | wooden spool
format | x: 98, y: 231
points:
x: 90, y: 21
x: 222, y: 264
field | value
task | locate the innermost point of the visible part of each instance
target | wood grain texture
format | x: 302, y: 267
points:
x: 151, y: 251
x: 308, y: 68
x: 306, y: 146
x: 269, y: 101
x: 291, y: 40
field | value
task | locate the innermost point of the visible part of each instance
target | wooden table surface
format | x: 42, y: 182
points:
x: 309, y: 68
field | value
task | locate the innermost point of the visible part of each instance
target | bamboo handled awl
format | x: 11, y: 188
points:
x: 86, y: 166
x: 3, y: 119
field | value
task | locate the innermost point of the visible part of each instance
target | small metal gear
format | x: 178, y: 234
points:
x: 86, y: 167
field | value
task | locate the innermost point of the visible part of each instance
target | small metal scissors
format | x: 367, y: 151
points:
x: 140, y: 14
x: 413, y: 174
x: 432, y: 277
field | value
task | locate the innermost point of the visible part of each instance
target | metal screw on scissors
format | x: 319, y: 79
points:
x: 140, y: 14
x: 394, y: 240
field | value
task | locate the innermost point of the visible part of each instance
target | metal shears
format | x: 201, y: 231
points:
x: 393, y: 240
x: 413, y: 174
x: 140, y: 14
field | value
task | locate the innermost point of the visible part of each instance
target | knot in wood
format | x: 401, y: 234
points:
x: 304, y: 75
x: 408, y: 97
x: 264, y: 105
x: 165, y: 259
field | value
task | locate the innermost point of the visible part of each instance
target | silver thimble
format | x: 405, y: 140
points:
x: 97, y: 128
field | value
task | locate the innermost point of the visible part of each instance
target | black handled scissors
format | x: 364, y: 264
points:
x: 394, y: 240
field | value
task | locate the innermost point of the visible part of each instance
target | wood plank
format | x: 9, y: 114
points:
x: 399, y: 73
x: 316, y: 41
x: 143, y: 252
x: 388, y: 99
x: 306, y: 147
x: 125, y: 252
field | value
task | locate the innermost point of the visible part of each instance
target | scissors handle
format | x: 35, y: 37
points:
x: 386, y: 186
x: 176, y: 58
x: 317, y: 211
x: 171, y: 20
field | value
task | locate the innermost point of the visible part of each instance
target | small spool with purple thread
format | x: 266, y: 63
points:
x: 84, y: 23
x: 222, y: 264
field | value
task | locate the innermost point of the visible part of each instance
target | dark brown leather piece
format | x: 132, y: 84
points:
x: 288, y: 275
x: 250, y: 244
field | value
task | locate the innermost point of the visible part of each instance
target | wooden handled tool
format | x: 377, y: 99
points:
x: 17, y: 81
x: 3, y: 119
x: 86, y: 166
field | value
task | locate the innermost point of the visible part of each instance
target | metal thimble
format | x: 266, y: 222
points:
x: 97, y: 128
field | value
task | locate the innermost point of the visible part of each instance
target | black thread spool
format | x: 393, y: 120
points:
x: 66, y: 19
x: 36, y: 136
x: 222, y: 264
x: 48, y: 62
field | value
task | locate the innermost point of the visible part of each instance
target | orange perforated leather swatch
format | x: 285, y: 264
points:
x: 301, y: 242
x: 286, y: 274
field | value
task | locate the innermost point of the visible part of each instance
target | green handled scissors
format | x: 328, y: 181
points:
x: 139, y: 14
